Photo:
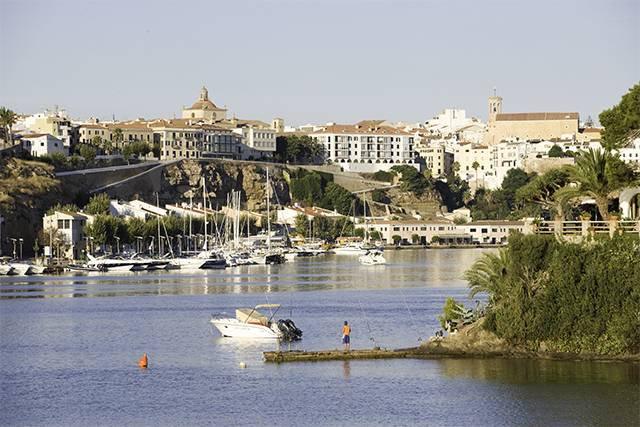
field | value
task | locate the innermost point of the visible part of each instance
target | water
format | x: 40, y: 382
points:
x: 69, y: 347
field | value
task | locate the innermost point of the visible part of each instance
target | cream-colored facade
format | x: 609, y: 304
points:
x: 436, y: 159
x: 467, y: 154
x: 532, y: 126
x: 53, y: 123
x: 184, y: 139
x: 204, y: 109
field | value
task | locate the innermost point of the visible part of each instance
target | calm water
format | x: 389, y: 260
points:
x: 69, y: 346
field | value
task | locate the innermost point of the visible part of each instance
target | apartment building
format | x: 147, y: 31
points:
x: 436, y: 159
x: 187, y: 139
x: 366, y: 146
x: 69, y: 227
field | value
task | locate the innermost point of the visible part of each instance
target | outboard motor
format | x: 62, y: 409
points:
x: 290, y: 331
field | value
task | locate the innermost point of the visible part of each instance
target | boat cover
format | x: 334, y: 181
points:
x: 242, y: 314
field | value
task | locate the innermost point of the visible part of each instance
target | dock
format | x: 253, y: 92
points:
x: 326, y: 355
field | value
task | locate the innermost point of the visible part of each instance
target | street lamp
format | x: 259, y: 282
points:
x: 138, y: 244
x: 14, y: 247
x: 117, y: 244
x: 179, y: 237
x: 21, y: 240
x: 153, y: 245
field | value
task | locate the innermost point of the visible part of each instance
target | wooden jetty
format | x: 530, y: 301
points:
x: 325, y: 355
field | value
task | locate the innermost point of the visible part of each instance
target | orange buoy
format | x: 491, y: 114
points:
x: 143, y: 362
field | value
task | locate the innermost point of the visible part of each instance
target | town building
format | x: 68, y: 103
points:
x: 189, y: 139
x: 204, y: 109
x: 288, y: 214
x: 631, y: 153
x: 436, y: 159
x: 55, y: 123
x: 66, y: 231
x: 258, y: 138
x: 43, y: 144
x: 443, y: 231
x: 366, y: 146
x: 529, y: 126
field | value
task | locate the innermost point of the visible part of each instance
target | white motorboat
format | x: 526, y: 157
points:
x: 6, y: 270
x: 350, y: 249
x: 21, y: 268
x: 372, y: 258
x: 250, y: 323
x: 37, y: 269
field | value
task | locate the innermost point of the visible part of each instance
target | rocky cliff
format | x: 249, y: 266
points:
x: 184, y: 179
x: 27, y: 190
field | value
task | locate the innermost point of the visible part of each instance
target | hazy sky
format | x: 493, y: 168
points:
x: 317, y: 60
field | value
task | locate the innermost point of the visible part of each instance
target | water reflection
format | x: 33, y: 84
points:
x: 406, y: 268
x: 346, y: 370
x: 527, y: 371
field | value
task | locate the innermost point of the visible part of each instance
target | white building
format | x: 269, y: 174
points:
x: 450, y: 121
x: 366, y: 146
x: 631, y: 153
x: 43, y: 144
x: 55, y: 123
x: 257, y: 141
x: 70, y: 227
x: 127, y: 210
x: 288, y: 214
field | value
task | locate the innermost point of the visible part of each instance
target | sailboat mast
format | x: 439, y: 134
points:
x: 204, y: 206
x: 158, y: 220
x: 190, y: 213
x: 268, y: 214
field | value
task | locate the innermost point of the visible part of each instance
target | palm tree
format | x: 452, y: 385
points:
x: 598, y: 174
x: 488, y: 274
x: 7, y: 119
x: 118, y: 137
x: 475, y: 167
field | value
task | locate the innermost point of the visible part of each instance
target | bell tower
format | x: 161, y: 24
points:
x: 495, y: 106
x: 204, y: 94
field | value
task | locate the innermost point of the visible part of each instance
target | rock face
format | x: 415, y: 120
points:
x: 183, y: 180
x: 427, y: 205
x: 27, y: 190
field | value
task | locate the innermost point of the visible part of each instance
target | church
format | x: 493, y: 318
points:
x: 204, y: 109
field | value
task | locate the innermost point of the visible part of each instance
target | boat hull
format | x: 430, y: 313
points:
x: 233, y: 328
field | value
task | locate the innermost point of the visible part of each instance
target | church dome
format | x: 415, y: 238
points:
x: 203, y: 102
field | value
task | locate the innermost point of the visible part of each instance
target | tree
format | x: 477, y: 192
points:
x: 301, y: 224
x: 298, y: 149
x: 475, y: 167
x: 375, y: 235
x: 117, y: 138
x: 542, y: 190
x: 396, y: 239
x: 488, y: 275
x: 98, y: 204
x: 621, y: 120
x: 412, y: 180
x: 7, y: 119
x: 340, y: 199
x: 455, y: 168
x: 88, y: 152
x: 556, y: 151
x: 598, y: 174
x: 415, y: 239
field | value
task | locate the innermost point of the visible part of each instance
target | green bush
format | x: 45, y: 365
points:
x: 450, y: 311
x: 573, y: 297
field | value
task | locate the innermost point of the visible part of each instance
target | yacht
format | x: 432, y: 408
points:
x: 250, y: 323
x: 372, y: 258
x: 21, y: 268
x: 6, y: 270
x: 350, y: 249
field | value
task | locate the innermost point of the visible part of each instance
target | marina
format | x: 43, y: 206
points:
x: 84, y: 332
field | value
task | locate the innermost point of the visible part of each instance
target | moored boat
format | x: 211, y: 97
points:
x: 250, y: 323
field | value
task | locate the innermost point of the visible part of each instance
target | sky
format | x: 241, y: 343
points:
x: 316, y: 61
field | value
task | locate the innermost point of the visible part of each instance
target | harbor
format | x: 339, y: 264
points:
x: 84, y: 333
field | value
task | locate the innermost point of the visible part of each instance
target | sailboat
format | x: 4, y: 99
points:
x: 270, y: 256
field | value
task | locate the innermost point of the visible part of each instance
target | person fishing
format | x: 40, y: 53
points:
x: 346, y: 336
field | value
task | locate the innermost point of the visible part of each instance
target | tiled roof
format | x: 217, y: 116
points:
x: 535, y: 116
x: 351, y: 129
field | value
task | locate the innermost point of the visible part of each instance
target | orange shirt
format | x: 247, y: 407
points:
x: 346, y: 330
